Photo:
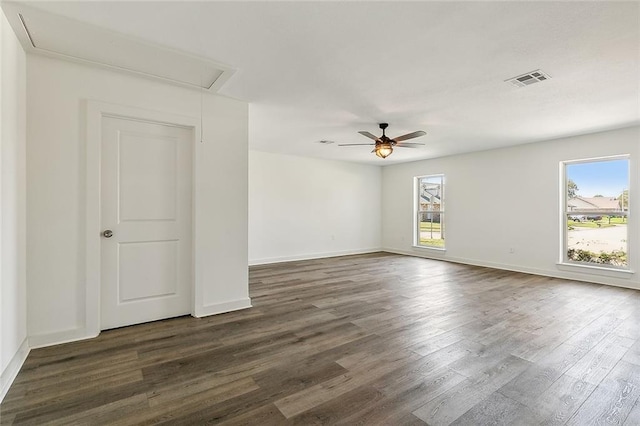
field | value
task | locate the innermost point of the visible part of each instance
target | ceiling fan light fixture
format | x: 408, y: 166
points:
x: 383, y: 145
x: 383, y: 150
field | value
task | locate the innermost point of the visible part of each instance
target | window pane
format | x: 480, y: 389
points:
x: 431, y: 229
x: 597, y: 239
x: 431, y: 211
x: 431, y: 193
x: 596, y: 209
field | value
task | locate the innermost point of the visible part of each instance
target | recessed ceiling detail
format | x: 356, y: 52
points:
x: 529, y: 78
x: 53, y: 35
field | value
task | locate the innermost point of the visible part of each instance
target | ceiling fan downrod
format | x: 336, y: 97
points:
x: 383, y: 126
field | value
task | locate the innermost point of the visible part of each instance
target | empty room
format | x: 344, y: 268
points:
x: 319, y: 212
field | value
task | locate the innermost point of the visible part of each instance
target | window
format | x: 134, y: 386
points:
x: 595, y: 212
x: 430, y: 211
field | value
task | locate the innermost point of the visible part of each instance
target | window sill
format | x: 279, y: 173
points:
x: 429, y: 248
x: 595, y: 270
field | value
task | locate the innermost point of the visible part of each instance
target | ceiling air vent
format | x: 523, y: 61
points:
x: 529, y: 78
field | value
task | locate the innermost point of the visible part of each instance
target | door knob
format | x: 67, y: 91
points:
x: 108, y: 233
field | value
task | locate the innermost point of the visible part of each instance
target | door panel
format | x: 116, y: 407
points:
x: 146, y: 183
x: 147, y: 166
x: 136, y: 283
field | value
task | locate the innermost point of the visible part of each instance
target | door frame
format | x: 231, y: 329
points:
x: 95, y: 111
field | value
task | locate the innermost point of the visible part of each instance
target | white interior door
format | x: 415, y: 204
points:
x: 146, y: 184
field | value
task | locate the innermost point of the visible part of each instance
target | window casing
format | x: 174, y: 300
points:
x: 595, y: 212
x: 429, y: 212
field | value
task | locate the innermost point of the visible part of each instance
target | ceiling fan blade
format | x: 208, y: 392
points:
x: 409, y: 144
x: 355, y: 144
x: 409, y: 136
x: 369, y: 135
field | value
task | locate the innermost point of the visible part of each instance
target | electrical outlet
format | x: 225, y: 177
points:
x: 512, y: 250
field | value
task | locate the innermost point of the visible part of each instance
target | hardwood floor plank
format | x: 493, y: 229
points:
x: 266, y: 415
x: 7, y: 419
x: 403, y: 396
x: 357, y: 340
x: 599, y: 361
x: 173, y: 406
x: 71, y: 406
x: 540, y: 376
x: 332, y: 411
x: 629, y: 327
x: 590, y: 335
x: 41, y: 396
x: 633, y: 354
x: 449, y: 406
x: 119, y: 412
x: 498, y: 409
x: 296, y: 377
x: 410, y: 420
x: 613, y: 399
x: 633, y: 419
x: 439, y: 341
x: 489, y: 355
x: 446, y: 356
x: 309, y: 398
x: 557, y: 404
x: 197, y: 391
x: 556, y: 333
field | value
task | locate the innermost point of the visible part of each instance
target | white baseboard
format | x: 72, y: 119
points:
x: 9, y: 374
x: 43, y: 340
x: 269, y: 260
x: 221, y: 308
x: 585, y: 277
x: 74, y: 335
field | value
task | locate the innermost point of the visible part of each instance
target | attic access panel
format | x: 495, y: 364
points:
x: 53, y: 35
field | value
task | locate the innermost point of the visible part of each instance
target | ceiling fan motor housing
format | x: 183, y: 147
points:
x: 384, y: 139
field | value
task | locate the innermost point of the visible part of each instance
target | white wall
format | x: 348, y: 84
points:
x: 507, y: 198
x: 303, y: 208
x: 13, y: 310
x: 56, y: 107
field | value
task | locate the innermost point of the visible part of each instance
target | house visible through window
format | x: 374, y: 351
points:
x: 430, y: 211
x: 595, y: 212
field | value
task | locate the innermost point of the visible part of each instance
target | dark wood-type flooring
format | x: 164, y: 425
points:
x: 370, y: 339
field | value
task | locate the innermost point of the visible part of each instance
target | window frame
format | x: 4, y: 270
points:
x: 417, y: 212
x: 564, y: 214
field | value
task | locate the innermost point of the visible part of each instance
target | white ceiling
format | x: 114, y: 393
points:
x: 325, y: 70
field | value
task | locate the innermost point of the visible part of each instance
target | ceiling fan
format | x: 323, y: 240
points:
x: 384, y: 145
